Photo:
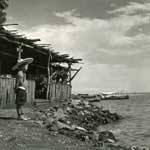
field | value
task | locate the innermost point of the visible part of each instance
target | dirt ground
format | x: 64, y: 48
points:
x: 30, y: 135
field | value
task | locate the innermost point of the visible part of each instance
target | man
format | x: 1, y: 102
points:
x: 21, y: 85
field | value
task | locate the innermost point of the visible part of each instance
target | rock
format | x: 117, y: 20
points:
x: 111, y: 140
x: 80, y: 128
x: 43, y: 117
x: 106, y: 136
x: 59, y: 114
x: 64, y: 126
x: 39, y: 122
x: 135, y: 148
x: 49, y: 122
x: 83, y: 136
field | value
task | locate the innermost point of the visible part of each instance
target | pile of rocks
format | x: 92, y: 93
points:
x: 89, y: 116
x: 80, y: 121
x: 119, y: 147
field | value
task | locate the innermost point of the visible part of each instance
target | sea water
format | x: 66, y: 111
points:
x: 134, y: 128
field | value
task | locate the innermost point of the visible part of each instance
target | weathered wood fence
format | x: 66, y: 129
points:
x: 59, y: 91
x: 7, y: 93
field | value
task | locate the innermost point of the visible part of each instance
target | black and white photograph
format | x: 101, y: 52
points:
x: 74, y: 74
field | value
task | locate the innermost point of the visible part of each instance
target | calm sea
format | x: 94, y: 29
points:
x: 134, y: 129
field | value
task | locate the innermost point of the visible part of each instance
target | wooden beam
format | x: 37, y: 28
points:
x: 75, y: 74
x: 78, y: 59
x: 64, y: 55
x: 13, y: 31
x: 18, y: 43
x: 40, y: 51
x: 44, y: 44
x: 12, y: 24
x: 34, y: 40
x: 74, y: 69
x: 18, y: 35
x: 7, y: 54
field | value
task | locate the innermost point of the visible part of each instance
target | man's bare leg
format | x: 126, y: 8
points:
x: 19, y: 111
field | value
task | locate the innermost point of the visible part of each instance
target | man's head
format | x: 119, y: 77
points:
x: 23, y: 67
x: 22, y: 64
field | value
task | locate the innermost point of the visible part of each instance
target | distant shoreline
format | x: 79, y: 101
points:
x: 129, y: 93
x: 137, y: 93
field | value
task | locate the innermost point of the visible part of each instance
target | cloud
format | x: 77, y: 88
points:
x: 114, y: 57
x: 132, y: 8
x: 100, y: 40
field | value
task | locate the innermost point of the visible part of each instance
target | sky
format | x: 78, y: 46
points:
x: 111, y: 36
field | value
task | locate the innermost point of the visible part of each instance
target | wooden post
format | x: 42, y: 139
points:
x: 19, y: 50
x: 0, y: 66
x: 69, y: 67
x: 49, y: 76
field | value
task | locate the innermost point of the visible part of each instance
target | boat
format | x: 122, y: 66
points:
x: 87, y: 97
x: 114, y: 96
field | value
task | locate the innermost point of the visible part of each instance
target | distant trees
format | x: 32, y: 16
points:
x: 3, y: 6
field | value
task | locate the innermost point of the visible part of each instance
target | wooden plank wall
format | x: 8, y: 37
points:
x: 0, y: 66
x: 59, y: 91
x: 7, y: 93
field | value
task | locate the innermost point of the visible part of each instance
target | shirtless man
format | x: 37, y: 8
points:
x: 21, y: 86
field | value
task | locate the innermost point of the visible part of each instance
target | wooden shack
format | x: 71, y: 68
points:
x: 47, y: 65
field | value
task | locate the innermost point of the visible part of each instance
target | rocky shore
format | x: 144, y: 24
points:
x: 65, y: 127
x: 80, y: 120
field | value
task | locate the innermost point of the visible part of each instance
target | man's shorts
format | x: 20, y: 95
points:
x: 21, y: 97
